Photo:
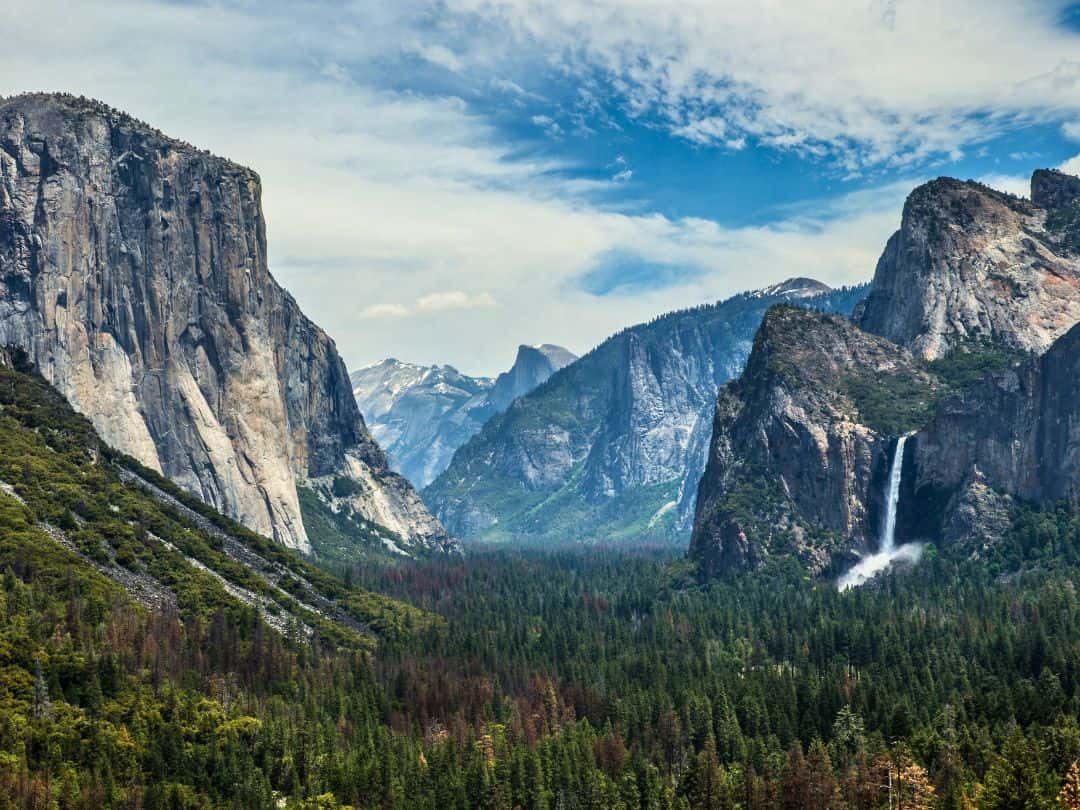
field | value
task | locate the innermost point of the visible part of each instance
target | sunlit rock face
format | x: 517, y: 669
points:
x: 133, y: 271
x: 971, y: 264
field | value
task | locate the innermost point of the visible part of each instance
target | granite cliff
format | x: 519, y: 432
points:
x: 133, y: 273
x: 971, y: 264
x: 964, y: 342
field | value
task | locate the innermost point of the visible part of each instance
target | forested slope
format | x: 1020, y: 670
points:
x: 130, y: 676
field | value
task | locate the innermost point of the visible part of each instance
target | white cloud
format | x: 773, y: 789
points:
x: 704, y: 131
x: 454, y: 299
x: 438, y: 55
x: 1013, y: 184
x: 1071, y: 166
x: 876, y: 83
x: 549, y: 125
x: 332, y: 70
x: 384, y: 311
x: 378, y: 201
x: 430, y: 302
x: 514, y: 89
x: 1071, y: 130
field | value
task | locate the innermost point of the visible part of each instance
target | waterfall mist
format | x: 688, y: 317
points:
x: 888, y: 552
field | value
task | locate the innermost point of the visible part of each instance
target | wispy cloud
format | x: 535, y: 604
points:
x: 438, y: 55
x: 890, y: 85
x: 407, y: 224
x: 441, y: 301
x: 454, y: 299
x: 549, y: 125
x: 384, y: 311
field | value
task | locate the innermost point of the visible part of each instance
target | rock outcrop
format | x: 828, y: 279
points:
x: 968, y: 340
x: 1018, y: 432
x: 800, y: 445
x: 611, y: 448
x: 422, y: 414
x: 974, y: 265
x: 532, y: 367
x: 133, y: 272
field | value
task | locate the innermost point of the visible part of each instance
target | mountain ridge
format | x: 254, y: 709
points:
x: 604, y: 449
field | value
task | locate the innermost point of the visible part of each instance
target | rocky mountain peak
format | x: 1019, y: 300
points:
x: 973, y: 265
x: 799, y: 287
x: 532, y: 367
x: 1051, y: 188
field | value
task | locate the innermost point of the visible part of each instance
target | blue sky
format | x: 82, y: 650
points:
x: 444, y: 180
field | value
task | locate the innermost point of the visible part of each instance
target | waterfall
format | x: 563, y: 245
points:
x: 888, y: 552
x: 892, y: 497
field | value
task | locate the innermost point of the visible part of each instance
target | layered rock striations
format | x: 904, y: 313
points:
x: 610, y: 449
x: 133, y: 272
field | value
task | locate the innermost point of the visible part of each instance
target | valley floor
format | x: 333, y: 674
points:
x: 588, y: 679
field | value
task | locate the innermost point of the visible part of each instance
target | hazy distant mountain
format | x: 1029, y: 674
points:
x: 612, y: 446
x: 422, y: 414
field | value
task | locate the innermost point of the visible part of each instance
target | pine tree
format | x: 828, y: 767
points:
x: 822, y: 786
x: 42, y: 707
x: 1017, y: 780
x: 706, y: 790
x: 849, y: 735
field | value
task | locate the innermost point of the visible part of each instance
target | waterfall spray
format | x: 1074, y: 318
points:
x: 888, y: 552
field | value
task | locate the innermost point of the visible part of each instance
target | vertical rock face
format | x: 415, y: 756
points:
x: 532, y: 368
x: 611, y: 448
x: 422, y: 414
x: 1017, y: 432
x: 133, y: 272
x: 970, y: 264
x: 798, y: 450
x: 975, y: 284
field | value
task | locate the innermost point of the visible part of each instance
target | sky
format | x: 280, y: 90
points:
x: 445, y: 180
